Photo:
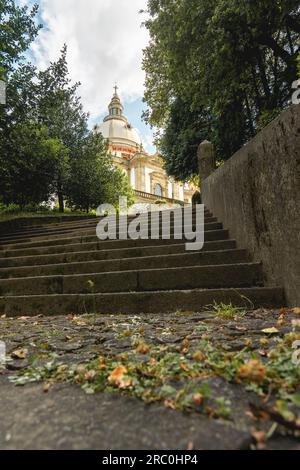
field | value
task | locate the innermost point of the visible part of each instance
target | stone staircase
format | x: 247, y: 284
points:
x: 62, y: 268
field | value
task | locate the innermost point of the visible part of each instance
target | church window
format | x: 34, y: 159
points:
x: 158, y: 190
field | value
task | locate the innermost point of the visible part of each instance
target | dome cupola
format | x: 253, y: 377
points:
x: 115, y: 108
x: 117, y: 129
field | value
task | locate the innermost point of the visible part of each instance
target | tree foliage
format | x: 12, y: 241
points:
x: 46, y: 148
x: 229, y: 63
x: 18, y: 29
x: 99, y: 180
x: 32, y: 157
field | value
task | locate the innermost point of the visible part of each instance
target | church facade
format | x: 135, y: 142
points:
x: 145, y: 172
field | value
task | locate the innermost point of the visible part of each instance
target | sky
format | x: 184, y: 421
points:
x: 105, y: 40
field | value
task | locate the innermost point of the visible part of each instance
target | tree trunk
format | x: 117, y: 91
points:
x: 276, y: 48
x: 61, y: 202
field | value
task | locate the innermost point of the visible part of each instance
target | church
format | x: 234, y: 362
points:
x: 146, y: 172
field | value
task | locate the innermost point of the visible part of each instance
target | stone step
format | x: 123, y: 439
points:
x: 141, y: 302
x: 105, y: 254
x: 195, y: 277
x: 56, y: 235
x: 68, y: 226
x: 128, y: 264
x: 91, y: 242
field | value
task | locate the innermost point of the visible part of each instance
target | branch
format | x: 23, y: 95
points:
x: 278, y: 50
x: 293, y: 24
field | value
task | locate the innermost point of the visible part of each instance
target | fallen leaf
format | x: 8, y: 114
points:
x: 270, y: 331
x: 170, y: 404
x: 250, y: 415
x: 190, y: 446
x: 295, y: 324
x: 184, y: 367
x: 117, y: 377
x: 296, y: 310
x: 19, y: 354
x: 198, y: 356
x: 46, y: 388
x: 90, y: 375
x: 253, y: 371
x: 142, y: 348
x: 262, y: 352
x: 198, y: 399
x: 259, y: 436
x: 283, y: 312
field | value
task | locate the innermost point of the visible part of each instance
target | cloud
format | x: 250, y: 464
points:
x: 105, y: 41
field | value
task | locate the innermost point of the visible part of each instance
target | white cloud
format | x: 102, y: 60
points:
x: 105, y: 41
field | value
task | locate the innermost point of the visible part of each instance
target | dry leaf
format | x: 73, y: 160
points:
x: 90, y: 375
x: 296, y: 310
x: 253, y: 370
x: 117, y: 378
x: 283, y: 312
x: 170, y: 404
x: 19, y: 353
x: 46, y: 388
x: 190, y: 446
x: 198, y: 356
x: 270, y: 331
x: 198, y: 399
x: 296, y: 324
x: 184, y: 367
x: 142, y: 348
x: 259, y: 436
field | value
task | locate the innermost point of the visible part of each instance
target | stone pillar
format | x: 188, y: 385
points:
x: 2, y: 92
x: 206, y: 159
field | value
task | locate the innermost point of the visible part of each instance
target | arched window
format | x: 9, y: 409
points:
x: 158, y: 190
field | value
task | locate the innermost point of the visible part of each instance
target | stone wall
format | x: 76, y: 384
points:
x: 256, y: 194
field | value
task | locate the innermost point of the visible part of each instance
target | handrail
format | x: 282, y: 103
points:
x: 154, y: 196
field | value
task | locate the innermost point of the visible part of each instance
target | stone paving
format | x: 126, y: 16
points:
x: 55, y: 412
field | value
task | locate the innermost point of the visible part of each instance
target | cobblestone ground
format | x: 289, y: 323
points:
x: 209, y: 380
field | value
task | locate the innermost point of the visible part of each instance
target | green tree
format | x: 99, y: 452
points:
x: 18, y: 29
x: 231, y: 63
x: 93, y: 178
x: 59, y: 109
x: 32, y: 157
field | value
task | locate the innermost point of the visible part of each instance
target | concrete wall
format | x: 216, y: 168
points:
x: 256, y: 194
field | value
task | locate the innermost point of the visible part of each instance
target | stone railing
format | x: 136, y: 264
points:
x: 154, y: 197
x: 256, y: 196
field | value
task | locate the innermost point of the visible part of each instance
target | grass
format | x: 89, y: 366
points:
x: 228, y: 311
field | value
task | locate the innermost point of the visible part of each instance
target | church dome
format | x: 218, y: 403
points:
x: 116, y: 127
x: 115, y: 130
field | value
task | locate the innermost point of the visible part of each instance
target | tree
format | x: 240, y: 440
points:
x: 31, y: 162
x: 93, y: 178
x: 18, y: 29
x: 229, y: 62
x: 59, y: 109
